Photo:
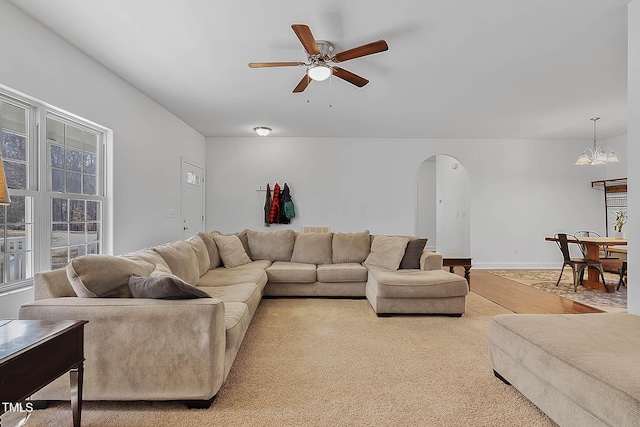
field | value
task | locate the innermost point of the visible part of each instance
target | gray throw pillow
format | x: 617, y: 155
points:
x: 163, y: 287
x: 411, y: 258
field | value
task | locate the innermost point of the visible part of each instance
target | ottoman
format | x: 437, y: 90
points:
x: 579, y: 369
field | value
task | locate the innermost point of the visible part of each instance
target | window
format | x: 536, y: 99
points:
x: 73, y: 171
x: 54, y: 168
x: 16, y: 220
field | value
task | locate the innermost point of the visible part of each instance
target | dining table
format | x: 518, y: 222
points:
x: 594, y: 245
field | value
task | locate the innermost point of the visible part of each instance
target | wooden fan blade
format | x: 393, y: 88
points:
x: 274, y: 64
x: 360, y: 51
x: 349, y: 76
x: 306, y: 38
x: 303, y: 84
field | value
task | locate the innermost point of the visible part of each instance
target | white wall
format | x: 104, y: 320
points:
x: 633, y: 127
x: 521, y: 190
x: 148, y: 140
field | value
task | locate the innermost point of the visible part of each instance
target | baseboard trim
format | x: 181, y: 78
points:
x: 516, y: 265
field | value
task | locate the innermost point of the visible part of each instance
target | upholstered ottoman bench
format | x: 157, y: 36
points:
x: 579, y: 369
x: 416, y: 292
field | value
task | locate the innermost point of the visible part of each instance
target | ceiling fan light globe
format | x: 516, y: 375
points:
x: 319, y: 72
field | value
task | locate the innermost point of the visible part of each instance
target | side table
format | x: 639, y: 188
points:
x: 33, y: 353
x: 455, y: 260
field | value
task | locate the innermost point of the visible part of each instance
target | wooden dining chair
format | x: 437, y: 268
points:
x: 577, y: 264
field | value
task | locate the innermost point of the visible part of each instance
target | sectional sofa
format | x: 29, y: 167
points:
x: 166, y: 323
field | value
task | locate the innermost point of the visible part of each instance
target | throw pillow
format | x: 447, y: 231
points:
x: 271, y: 245
x: 231, y: 250
x: 411, y: 258
x: 312, y: 248
x: 387, y: 251
x: 350, y: 247
x: 162, y: 285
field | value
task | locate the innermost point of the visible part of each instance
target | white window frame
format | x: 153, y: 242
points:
x: 37, y: 180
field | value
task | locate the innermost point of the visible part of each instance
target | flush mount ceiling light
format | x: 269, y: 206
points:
x: 597, y: 155
x: 262, y: 130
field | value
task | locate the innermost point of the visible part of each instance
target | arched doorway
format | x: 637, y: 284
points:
x: 443, y: 205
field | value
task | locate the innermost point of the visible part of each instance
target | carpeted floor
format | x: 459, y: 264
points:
x: 332, y: 362
x: 545, y: 280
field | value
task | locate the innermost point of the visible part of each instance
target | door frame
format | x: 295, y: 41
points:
x: 183, y: 162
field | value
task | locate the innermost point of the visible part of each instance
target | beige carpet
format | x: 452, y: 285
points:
x: 332, y: 362
x: 545, y: 280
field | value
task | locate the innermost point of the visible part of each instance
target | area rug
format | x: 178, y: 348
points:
x: 545, y: 280
x: 333, y: 362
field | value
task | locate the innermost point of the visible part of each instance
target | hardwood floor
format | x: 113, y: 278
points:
x: 521, y: 298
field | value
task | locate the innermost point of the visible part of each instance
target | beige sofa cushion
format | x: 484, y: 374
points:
x: 387, y: 251
x: 416, y: 284
x: 103, y: 275
x: 202, y: 254
x: 231, y: 250
x: 342, y: 273
x: 181, y: 259
x: 146, y: 255
x: 232, y: 276
x: 312, y: 248
x: 244, y: 239
x: 291, y: 272
x: 271, y: 245
x: 212, y: 248
x: 350, y: 247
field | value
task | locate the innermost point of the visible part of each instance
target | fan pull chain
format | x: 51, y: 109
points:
x: 330, y: 103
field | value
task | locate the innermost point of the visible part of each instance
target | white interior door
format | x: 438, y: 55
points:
x: 192, y: 195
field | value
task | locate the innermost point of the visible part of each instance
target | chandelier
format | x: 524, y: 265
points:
x: 597, y: 155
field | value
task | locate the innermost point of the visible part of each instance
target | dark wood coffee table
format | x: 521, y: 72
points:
x: 33, y: 353
x: 455, y: 260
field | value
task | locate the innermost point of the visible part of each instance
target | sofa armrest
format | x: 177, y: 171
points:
x: 430, y: 261
x: 142, y: 349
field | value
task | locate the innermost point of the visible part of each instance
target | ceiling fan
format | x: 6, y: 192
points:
x: 322, y: 61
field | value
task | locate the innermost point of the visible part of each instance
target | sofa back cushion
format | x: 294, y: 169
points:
x: 145, y: 255
x: 212, y: 248
x: 232, y: 251
x: 350, y: 247
x: 181, y: 259
x: 271, y: 245
x: 202, y: 254
x: 387, y: 251
x: 312, y: 248
x: 104, y: 275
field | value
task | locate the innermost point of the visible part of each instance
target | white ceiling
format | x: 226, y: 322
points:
x: 454, y: 69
